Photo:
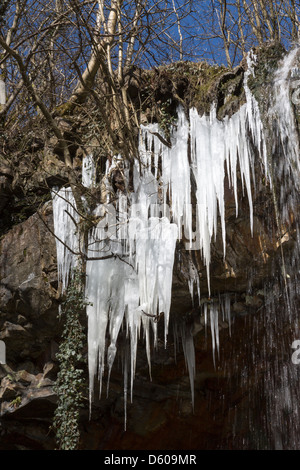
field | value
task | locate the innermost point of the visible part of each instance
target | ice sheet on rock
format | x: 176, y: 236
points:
x: 281, y: 115
x: 282, y: 111
x: 253, y: 114
x: 65, y: 218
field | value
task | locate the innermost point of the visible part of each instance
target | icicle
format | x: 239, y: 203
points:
x: 228, y: 311
x: 174, y: 179
x: 214, y: 315
x: 125, y: 386
x: 2, y: 93
x: 179, y: 182
x: 189, y: 355
x: 111, y: 164
x: 88, y: 171
x: 154, y: 248
x: 193, y: 279
x: 133, y: 317
x: 65, y: 219
x: 205, y: 313
x: 105, y: 291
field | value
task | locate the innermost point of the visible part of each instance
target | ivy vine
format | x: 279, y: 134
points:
x: 70, y: 383
x: 166, y: 118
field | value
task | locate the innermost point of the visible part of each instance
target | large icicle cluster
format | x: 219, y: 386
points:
x: 216, y: 146
x: 135, y: 285
x: 133, y: 280
x: 130, y: 262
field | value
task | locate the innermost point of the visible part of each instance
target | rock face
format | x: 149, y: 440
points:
x: 29, y: 325
x: 28, y: 279
x: 161, y: 416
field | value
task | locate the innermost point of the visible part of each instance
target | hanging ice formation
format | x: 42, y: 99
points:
x: 88, y: 171
x: 2, y: 92
x: 65, y: 220
x: 130, y: 263
x: 286, y: 143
